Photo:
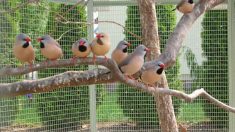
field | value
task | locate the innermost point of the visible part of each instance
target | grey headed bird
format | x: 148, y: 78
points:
x: 133, y: 62
x: 50, y: 48
x: 81, y: 48
x: 23, y: 49
x: 185, y: 6
x: 152, y: 76
x: 120, y: 52
x: 100, y: 45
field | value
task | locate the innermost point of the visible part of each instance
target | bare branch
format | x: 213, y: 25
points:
x: 174, y: 43
x: 9, y: 71
x: 74, y: 6
x: 87, y: 23
x: 190, y: 97
x: 78, y: 78
x: 69, y: 78
x: 19, y: 6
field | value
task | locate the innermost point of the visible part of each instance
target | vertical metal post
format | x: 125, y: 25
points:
x: 231, y: 62
x: 92, y: 88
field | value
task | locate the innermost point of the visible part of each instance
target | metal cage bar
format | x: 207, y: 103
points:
x: 231, y: 62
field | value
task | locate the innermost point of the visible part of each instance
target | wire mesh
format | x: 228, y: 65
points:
x: 203, y: 63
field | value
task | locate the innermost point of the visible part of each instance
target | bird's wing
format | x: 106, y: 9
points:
x: 127, y: 60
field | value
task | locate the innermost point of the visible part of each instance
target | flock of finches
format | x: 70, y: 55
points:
x: 129, y: 64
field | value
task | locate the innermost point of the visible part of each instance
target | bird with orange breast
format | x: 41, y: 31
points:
x: 81, y: 48
x: 185, y: 6
x: 100, y: 45
x: 133, y: 62
x: 23, y: 49
x: 120, y: 52
x: 50, y: 48
x: 152, y: 76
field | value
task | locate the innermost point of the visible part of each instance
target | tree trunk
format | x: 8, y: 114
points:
x: 151, y: 40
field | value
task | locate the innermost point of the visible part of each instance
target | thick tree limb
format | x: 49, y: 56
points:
x: 174, y: 43
x: 78, y: 78
x: 164, y: 106
x: 9, y: 71
x: 69, y: 78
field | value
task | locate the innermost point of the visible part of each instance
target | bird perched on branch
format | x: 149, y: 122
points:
x: 120, y: 52
x: 100, y: 45
x: 151, y: 76
x: 81, y: 48
x: 23, y: 49
x: 133, y: 62
x: 50, y: 48
x: 185, y: 6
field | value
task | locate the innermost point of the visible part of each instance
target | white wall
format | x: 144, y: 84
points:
x: 193, y: 41
x: 118, y: 14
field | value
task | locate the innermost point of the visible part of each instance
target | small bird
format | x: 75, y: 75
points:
x: 185, y: 6
x: 23, y: 49
x: 120, y: 52
x: 81, y: 48
x: 50, y: 48
x: 100, y: 45
x: 133, y: 62
x: 151, y: 76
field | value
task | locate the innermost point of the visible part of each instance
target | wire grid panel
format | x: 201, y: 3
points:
x: 206, y: 59
x: 125, y: 109
x: 119, y: 108
x: 204, y: 56
x: 60, y: 110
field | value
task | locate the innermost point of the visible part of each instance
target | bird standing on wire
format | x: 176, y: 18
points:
x: 120, y: 52
x: 152, y: 76
x: 23, y: 49
x: 133, y: 62
x: 100, y: 45
x: 50, y: 48
x: 185, y: 6
x: 81, y: 48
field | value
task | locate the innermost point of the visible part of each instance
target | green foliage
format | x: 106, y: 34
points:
x: 8, y: 111
x: 215, y: 71
x: 137, y: 105
x: 66, y: 109
x: 212, y: 74
x: 33, y: 19
x: 8, y: 106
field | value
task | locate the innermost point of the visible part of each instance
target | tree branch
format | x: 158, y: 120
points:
x: 9, y: 71
x: 190, y: 97
x: 69, y: 78
x: 174, y: 43
x: 97, y: 76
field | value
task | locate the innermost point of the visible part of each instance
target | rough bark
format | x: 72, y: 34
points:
x: 150, y: 36
x: 174, y: 43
